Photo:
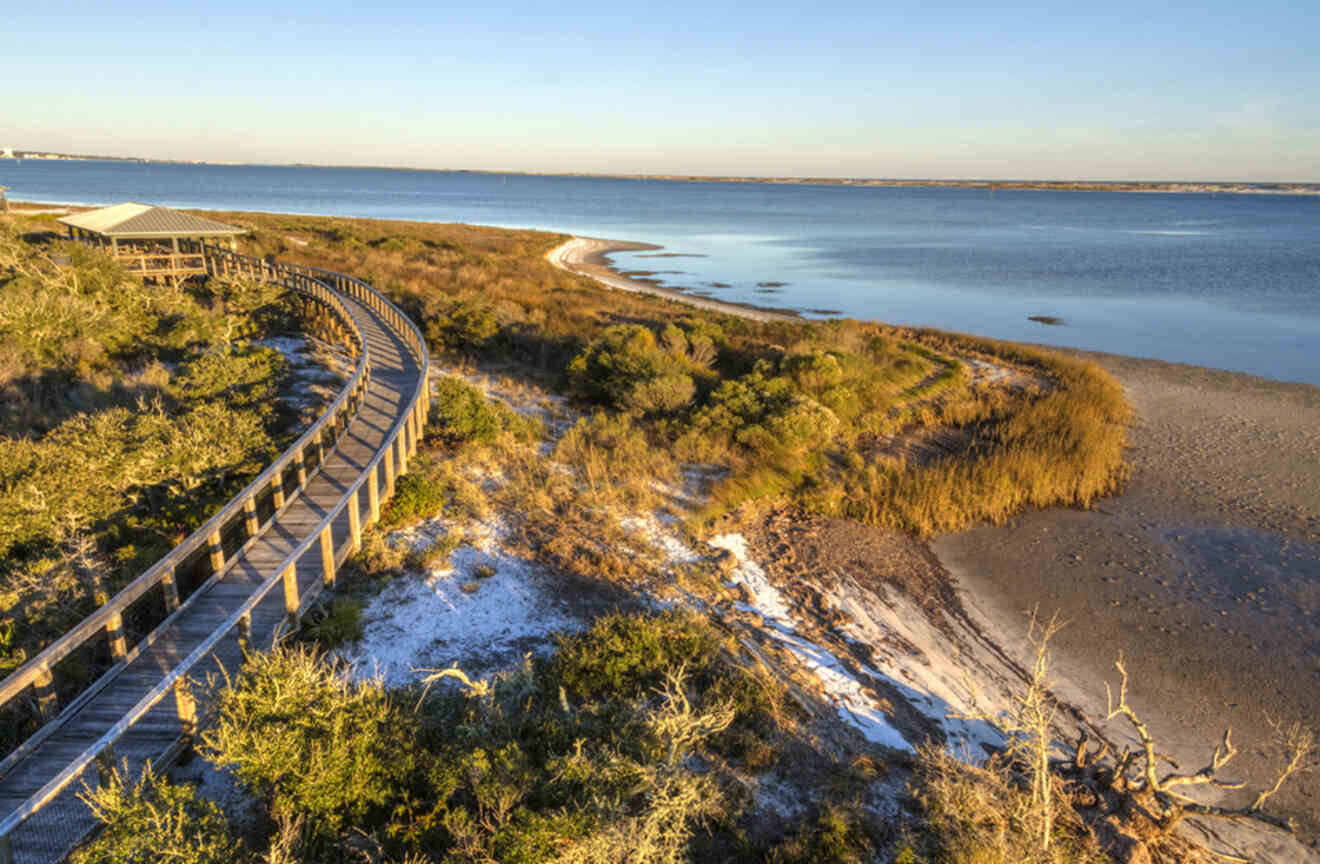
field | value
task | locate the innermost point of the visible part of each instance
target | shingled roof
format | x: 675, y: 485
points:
x: 144, y: 220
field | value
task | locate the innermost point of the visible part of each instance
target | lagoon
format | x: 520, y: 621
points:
x: 1224, y: 281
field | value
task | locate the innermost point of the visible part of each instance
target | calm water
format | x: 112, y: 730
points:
x: 1224, y: 281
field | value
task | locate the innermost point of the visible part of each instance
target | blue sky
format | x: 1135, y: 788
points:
x: 1205, y: 90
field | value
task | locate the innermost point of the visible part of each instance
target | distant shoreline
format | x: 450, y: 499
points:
x: 589, y: 256
x: 1176, y: 187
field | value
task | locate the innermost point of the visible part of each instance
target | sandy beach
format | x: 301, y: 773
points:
x: 1204, y: 572
x: 590, y: 257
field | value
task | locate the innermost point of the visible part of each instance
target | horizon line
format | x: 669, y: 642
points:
x: 675, y: 176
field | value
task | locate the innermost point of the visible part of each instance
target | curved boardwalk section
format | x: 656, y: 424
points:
x: 265, y: 555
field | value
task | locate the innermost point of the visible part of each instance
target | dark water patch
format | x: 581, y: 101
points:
x: 771, y: 284
x: 1048, y: 320
x: 674, y: 255
x: 828, y: 313
x: 719, y: 284
x: 768, y: 291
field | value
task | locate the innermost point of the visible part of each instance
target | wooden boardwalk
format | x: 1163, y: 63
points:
x: 204, y: 634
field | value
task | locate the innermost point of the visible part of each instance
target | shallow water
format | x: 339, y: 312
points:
x: 1228, y: 281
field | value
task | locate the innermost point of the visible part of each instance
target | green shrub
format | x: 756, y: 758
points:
x: 628, y: 656
x: 765, y: 415
x: 296, y: 732
x: 432, y: 487
x: 417, y: 496
x: 154, y: 820
x: 627, y: 369
x: 461, y: 413
x: 338, y: 623
x: 835, y: 834
x: 465, y: 326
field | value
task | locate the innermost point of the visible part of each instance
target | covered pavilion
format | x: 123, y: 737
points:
x: 151, y: 241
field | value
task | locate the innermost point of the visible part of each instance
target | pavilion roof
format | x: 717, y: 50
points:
x: 145, y: 220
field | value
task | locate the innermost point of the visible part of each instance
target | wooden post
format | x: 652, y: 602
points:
x: 171, y: 591
x: 217, y: 552
x: 301, y: 462
x: 388, y: 461
x: 114, y: 631
x: 277, y: 483
x: 244, y: 631
x: 373, y: 495
x: 291, y: 601
x: 48, y: 703
x: 187, y: 707
x: 6, y: 850
x: 354, y: 521
x: 250, y: 517
x: 105, y: 765
x: 327, y: 557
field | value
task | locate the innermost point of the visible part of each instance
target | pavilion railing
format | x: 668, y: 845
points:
x: 278, y: 484
x: 148, y: 263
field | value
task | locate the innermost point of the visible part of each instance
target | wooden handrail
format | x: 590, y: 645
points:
x: 39, y: 667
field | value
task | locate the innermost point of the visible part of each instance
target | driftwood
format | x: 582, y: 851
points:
x: 1141, y: 795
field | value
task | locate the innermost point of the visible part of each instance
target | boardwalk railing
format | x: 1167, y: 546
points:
x: 233, y: 528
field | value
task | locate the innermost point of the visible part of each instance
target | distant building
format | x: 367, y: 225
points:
x: 7, y: 153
